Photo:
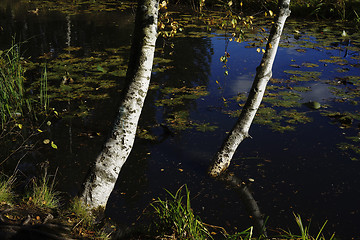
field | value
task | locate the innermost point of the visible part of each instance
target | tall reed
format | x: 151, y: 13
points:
x: 12, y: 92
x: 44, y: 97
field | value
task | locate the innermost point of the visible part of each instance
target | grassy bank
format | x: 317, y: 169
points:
x: 41, y: 213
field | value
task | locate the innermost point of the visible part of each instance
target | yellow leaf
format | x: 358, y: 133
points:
x: 263, y: 50
x: 39, y: 130
x: 181, y: 170
x: 19, y: 125
x: 48, y: 123
x: 46, y: 141
x: 37, y: 217
x: 53, y: 145
x: 271, y: 13
x: 270, y: 46
x: 163, y: 4
x: 241, y: 4
x: 258, y: 50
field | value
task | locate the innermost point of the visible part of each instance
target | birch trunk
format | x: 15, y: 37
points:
x: 104, y: 173
x: 263, y: 74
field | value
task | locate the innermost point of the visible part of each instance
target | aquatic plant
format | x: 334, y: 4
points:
x: 44, y: 97
x: 12, y: 93
x: 326, y: 9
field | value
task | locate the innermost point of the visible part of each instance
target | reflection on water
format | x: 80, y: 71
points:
x: 299, y: 171
x: 319, y: 92
x: 242, y: 84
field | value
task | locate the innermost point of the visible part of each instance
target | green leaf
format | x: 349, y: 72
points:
x: 100, y: 68
x: 313, y: 105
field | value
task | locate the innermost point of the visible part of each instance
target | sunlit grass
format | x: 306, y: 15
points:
x: 83, y: 221
x: 80, y: 213
x: 305, y: 231
x: 6, y: 194
x: 175, y: 217
x: 43, y: 194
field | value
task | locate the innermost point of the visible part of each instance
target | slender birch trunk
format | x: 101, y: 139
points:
x: 263, y: 74
x: 104, y: 173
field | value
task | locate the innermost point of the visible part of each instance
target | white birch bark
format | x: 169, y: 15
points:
x: 263, y: 74
x: 104, y: 173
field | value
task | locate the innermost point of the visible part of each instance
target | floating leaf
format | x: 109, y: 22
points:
x: 46, y: 141
x: 100, y: 68
x: 313, y: 105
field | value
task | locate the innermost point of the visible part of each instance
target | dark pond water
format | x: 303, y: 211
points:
x: 299, y: 159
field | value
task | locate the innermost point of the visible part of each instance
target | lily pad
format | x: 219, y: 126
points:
x: 313, y: 105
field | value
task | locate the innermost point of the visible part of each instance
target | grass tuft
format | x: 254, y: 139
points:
x: 177, y: 218
x: 80, y: 213
x: 6, y: 193
x: 43, y: 194
x: 304, y: 230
